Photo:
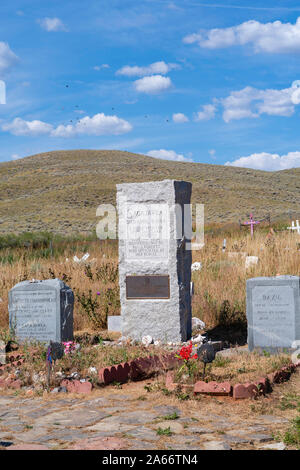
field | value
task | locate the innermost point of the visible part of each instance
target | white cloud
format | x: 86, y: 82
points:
x: 276, y: 37
x: 268, y: 161
x: 52, y: 24
x: 251, y: 102
x: 152, y: 69
x: 152, y: 84
x: 168, y: 155
x: 29, y: 128
x: 7, y: 58
x: 180, y: 117
x: 15, y: 156
x: 208, y: 112
x: 100, y: 67
x: 99, y: 124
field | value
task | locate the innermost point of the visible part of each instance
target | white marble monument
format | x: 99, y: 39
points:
x: 154, y: 259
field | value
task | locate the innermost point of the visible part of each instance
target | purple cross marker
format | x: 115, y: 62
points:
x: 251, y: 222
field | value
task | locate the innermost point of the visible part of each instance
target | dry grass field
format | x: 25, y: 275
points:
x: 219, y: 298
x: 60, y: 191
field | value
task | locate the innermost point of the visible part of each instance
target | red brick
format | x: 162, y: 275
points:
x: 108, y: 375
x: 145, y: 365
x: 212, y: 388
x: 113, y: 374
x: 247, y: 390
x: 103, y: 375
x: 134, y: 370
x: 16, y: 384
x: 123, y: 371
x: 156, y: 362
x: 75, y: 386
x: 169, y: 360
x: 262, y: 385
x: 271, y: 377
x: 286, y: 372
x: 83, y: 387
x: 8, y: 381
x: 170, y: 385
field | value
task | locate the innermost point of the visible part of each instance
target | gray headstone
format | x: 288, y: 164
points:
x: 273, y: 312
x: 154, y: 264
x: 41, y: 311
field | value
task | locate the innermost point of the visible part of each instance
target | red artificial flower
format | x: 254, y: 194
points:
x: 185, y: 353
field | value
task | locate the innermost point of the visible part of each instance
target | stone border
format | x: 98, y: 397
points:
x: 238, y: 391
x: 15, y: 359
x: 137, y: 369
x: 143, y: 367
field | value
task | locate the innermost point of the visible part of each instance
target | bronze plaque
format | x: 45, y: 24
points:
x: 148, y: 287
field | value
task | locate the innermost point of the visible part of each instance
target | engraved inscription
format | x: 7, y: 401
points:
x: 273, y: 316
x: 147, y: 231
x: 33, y: 314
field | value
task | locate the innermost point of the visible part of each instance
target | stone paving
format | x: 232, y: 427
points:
x: 132, y: 418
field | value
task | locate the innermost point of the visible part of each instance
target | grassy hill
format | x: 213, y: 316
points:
x: 59, y: 191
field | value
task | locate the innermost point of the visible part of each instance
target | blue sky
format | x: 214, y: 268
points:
x: 210, y: 82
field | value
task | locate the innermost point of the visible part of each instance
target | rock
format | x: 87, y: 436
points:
x: 198, y: 339
x: 143, y: 433
x: 175, y: 427
x: 197, y: 323
x: 36, y: 378
x: 92, y: 370
x: 260, y: 437
x: 104, y: 443
x: 274, y: 446
x: 197, y: 266
x: 147, y: 340
x: 75, y: 375
x: 216, y: 445
x: 200, y: 430
x: 164, y: 410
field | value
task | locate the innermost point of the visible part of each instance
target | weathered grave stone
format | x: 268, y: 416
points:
x: 41, y: 311
x: 273, y: 312
x: 154, y: 262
